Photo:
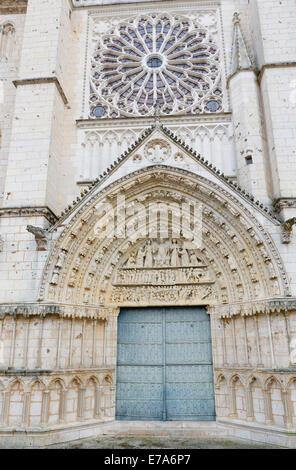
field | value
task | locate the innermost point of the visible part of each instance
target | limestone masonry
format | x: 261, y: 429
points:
x: 147, y: 166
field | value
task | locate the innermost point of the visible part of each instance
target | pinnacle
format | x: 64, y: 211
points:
x: 240, y: 57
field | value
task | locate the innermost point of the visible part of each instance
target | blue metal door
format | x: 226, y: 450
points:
x: 164, y: 367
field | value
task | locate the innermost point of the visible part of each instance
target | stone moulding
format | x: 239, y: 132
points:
x: 62, y: 310
x: 284, y: 203
x: 38, y: 80
x: 103, y: 313
x: 125, y: 3
x: 254, y: 308
x: 37, y: 211
x: 10, y: 7
x: 149, y: 120
x: 274, y: 66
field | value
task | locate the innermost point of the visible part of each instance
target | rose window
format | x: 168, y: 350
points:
x: 169, y: 61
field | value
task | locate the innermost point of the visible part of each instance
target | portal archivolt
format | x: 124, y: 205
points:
x: 236, y: 263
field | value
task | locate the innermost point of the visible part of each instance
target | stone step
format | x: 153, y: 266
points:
x: 165, y: 429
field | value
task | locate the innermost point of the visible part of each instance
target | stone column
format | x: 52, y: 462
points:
x: 26, y: 341
x: 225, y: 361
x: 259, y: 355
x: 71, y: 344
x: 272, y: 357
x: 267, y: 406
x: 5, y: 408
x: 45, y: 407
x: 94, y: 344
x: 234, y: 340
x: 82, y: 344
x: 232, y: 398
x: 288, y: 418
x: 60, y: 321
x: 288, y: 334
x: 112, y: 404
x: 39, y: 352
x: 26, y: 409
x: 246, y: 341
x: 97, y: 410
x: 105, y: 341
x: 12, y: 343
x: 63, y: 403
x: 249, y: 399
x: 80, y: 406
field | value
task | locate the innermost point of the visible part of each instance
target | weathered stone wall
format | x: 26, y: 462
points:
x: 55, y: 371
x: 255, y: 369
x: 9, y: 65
x: 274, y: 42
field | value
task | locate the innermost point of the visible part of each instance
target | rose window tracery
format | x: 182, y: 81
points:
x: 159, y: 59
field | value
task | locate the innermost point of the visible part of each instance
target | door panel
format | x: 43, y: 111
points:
x: 164, y: 365
x: 139, y: 371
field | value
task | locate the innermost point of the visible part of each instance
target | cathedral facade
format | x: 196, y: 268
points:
x: 147, y: 205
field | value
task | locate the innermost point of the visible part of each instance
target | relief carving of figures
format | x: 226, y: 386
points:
x: 61, y: 259
x: 232, y: 262
x: 264, y: 254
x: 272, y: 273
x: 149, y: 254
x: 161, y: 257
x: 174, y: 256
x: 103, y: 285
x: 254, y: 236
x: 194, y: 260
x: 59, y: 264
x: 69, y: 294
x: 163, y: 276
x: 153, y: 254
x: 275, y: 287
x: 88, y: 280
x: 257, y: 289
x: 253, y: 273
x: 73, y: 274
x: 55, y: 277
x: 236, y: 277
x: 183, y: 255
x: 141, y: 256
x: 86, y: 296
x: 132, y: 260
x: 156, y: 295
x: 162, y: 263
x: 238, y: 243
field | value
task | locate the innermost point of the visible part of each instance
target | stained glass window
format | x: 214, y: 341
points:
x: 171, y: 61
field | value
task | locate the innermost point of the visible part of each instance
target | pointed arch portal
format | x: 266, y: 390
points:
x: 164, y: 236
x: 160, y: 239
